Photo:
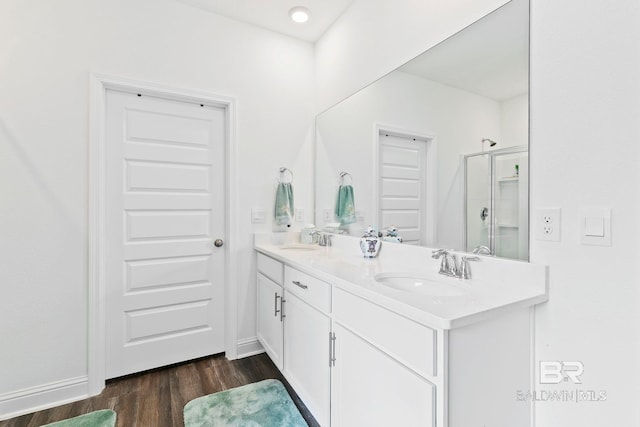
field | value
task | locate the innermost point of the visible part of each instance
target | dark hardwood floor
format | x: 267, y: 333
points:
x: 156, y: 398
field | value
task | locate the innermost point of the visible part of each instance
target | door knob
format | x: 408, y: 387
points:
x: 218, y: 242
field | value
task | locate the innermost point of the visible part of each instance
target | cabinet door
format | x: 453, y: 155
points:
x: 306, y: 343
x: 269, y: 327
x: 369, y: 388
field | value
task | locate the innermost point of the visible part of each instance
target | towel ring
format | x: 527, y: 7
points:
x: 343, y: 175
x: 282, y: 172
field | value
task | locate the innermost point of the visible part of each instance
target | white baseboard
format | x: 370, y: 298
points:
x: 28, y: 400
x: 249, y: 347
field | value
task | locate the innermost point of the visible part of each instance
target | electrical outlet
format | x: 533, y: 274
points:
x: 327, y: 215
x: 299, y: 215
x: 548, y: 224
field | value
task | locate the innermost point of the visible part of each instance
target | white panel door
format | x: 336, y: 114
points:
x: 165, y: 200
x: 402, y: 187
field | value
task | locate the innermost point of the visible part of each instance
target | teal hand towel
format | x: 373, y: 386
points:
x: 345, y: 206
x: 284, y: 204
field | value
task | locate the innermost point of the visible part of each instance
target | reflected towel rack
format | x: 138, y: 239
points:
x: 283, y: 171
x: 345, y: 174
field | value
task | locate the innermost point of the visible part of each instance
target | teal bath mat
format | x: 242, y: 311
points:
x: 262, y: 404
x: 104, y: 418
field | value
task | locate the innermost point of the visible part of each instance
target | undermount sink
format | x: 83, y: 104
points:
x: 301, y: 247
x: 418, y: 283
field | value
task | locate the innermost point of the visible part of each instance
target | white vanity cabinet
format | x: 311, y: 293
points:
x: 391, y: 370
x: 269, y: 308
x: 293, y: 326
x: 358, y: 359
x: 384, y: 369
x: 369, y: 388
x: 307, y: 327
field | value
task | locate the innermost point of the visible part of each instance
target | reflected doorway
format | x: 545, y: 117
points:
x: 405, y: 183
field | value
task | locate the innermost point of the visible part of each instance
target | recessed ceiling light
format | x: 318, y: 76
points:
x: 299, y: 14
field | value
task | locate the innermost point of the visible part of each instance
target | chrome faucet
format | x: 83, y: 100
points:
x: 449, y: 265
x: 482, y: 250
x: 465, y: 267
x: 324, y: 239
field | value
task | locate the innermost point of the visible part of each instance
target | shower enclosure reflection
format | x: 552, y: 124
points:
x: 497, y: 202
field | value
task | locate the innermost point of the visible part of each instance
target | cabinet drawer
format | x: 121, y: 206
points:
x: 311, y: 290
x: 270, y: 268
x: 409, y: 342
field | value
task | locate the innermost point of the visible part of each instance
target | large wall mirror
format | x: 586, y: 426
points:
x: 439, y: 147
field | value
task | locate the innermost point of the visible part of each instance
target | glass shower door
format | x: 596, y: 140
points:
x: 478, y: 201
x: 497, y: 202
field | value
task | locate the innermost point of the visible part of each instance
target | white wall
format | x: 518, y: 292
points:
x: 47, y: 50
x: 585, y: 133
x: 585, y: 104
x: 514, y: 116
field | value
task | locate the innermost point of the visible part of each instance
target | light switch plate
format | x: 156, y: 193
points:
x: 595, y: 226
x: 257, y: 215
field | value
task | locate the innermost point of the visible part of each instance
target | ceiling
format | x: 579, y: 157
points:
x: 274, y: 14
x: 489, y: 58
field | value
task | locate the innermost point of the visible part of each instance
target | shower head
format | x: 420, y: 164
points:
x: 491, y: 142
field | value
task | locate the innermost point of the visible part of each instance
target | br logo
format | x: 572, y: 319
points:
x: 554, y: 372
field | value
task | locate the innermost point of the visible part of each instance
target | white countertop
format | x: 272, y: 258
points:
x: 496, y: 285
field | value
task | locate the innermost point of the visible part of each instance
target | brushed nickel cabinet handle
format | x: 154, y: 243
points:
x: 276, y: 311
x: 299, y: 284
x: 332, y: 349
